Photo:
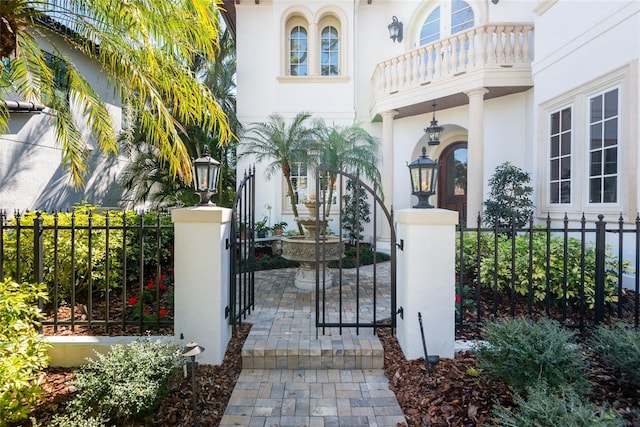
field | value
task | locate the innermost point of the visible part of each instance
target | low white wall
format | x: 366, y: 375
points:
x: 72, y: 351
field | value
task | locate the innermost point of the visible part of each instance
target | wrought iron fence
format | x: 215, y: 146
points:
x: 579, y: 273
x: 107, y: 273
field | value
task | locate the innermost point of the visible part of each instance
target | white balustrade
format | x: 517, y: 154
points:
x: 491, y: 45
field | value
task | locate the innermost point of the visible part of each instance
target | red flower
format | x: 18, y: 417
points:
x: 150, y: 285
x: 147, y: 310
x: 132, y: 301
x: 458, y: 299
x: 163, y: 286
x: 163, y: 312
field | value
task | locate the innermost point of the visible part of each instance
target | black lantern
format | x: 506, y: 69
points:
x: 434, y: 131
x: 395, y: 29
x: 424, y: 177
x: 205, y: 176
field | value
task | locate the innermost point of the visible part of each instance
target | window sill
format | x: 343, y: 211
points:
x: 313, y: 79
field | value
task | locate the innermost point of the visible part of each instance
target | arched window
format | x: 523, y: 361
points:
x: 431, y: 28
x: 461, y: 16
x: 449, y: 18
x: 330, y: 52
x: 298, y: 52
x: 312, y: 45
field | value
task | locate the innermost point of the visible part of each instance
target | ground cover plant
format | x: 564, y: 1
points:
x: 523, y: 352
x: 620, y: 346
x: 23, y: 353
x: 124, y: 385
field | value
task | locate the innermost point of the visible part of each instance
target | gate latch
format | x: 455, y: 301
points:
x: 226, y: 312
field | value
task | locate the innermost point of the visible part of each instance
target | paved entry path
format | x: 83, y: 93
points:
x: 295, y: 376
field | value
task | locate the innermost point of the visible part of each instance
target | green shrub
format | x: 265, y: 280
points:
x: 69, y: 259
x: 23, y: 353
x: 490, y: 270
x: 272, y: 262
x: 470, y: 248
x: 545, y: 407
x: 356, y: 212
x: 76, y: 420
x: 620, y: 346
x: 523, y: 352
x: 509, y: 197
x: 129, y: 382
x: 351, y: 260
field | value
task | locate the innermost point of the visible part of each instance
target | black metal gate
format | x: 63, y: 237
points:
x: 348, y: 293
x: 242, y: 251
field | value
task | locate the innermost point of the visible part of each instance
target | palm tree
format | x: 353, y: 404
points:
x: 146, y: 50
x: 283, y: 145
x: 350, y: 148
x: 147, y: 180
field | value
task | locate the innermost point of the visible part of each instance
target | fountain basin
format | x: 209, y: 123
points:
x: 303, y: 250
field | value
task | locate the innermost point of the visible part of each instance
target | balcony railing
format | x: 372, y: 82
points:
x: 495, y: 45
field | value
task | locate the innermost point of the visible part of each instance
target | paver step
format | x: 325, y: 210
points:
x: 322, y: 353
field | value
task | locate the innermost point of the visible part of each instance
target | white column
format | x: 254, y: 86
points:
x: 475, y: 147
x: 387, y: 171
x: 201, y: 263
x: 426, y: 281
x: 313, y: 50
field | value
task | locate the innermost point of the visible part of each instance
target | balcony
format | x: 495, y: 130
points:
x: 495, y: 56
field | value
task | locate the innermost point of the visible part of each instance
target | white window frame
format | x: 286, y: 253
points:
x: 625, y: 80
x: 602, y: 150
x: 446, y: 13
x: 559, y: 157
x: 307, y: 192
x: 314, y: 48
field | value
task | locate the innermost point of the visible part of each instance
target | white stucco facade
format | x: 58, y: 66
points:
x: 31, y: 173
x: 497, y: 99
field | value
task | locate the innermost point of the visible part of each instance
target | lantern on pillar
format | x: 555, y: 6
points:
x: 424, y: 177
x: 205, y: 176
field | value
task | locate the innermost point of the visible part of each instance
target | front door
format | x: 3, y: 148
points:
x: 452, y: 183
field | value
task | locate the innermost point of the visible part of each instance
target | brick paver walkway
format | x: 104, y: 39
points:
x: 294, y: 375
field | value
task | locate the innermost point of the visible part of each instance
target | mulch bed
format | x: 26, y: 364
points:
x: 457, y: 393
x: 214, y: 385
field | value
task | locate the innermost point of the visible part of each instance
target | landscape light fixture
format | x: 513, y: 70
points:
x: 434, y: 130
x: 205, y: 177
x: 395, y: 29
x: 424, y: 177
x: 191, y: 350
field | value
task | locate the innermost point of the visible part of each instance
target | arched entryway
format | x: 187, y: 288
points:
x: 452, y: 181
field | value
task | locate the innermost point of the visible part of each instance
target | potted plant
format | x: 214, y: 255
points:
x: 262, y: 228
x: 278, y: 228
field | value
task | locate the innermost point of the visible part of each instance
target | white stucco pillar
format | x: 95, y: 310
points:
x: 313, y: 50
x: 426, y: 281
x: 201, y: 268
x: 475, y: 147
x: 386, y: 171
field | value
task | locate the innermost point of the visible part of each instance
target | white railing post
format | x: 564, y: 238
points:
x: 426, y: 281
x: 201, y: 268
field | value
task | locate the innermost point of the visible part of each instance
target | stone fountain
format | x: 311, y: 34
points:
x: 303, y: 250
